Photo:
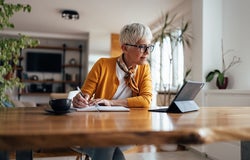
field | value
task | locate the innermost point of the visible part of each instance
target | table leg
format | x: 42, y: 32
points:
x: 245, y: 150
x: 4, y: 155
x: 24, y: 154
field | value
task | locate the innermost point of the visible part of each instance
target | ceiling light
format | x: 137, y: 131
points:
x: 70, y: 14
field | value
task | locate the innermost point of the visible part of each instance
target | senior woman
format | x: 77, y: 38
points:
x: 123, y: 80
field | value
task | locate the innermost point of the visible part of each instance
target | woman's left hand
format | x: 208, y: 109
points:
x: 101, y: 102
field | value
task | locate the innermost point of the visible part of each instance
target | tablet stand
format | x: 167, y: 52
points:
x: 182, y: 106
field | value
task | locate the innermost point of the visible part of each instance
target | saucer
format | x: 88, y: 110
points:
x: 58, y: 112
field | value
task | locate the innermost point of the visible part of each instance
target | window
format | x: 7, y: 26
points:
x: 167, y: 64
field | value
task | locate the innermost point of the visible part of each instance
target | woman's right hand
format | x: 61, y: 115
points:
x: 80, y: 102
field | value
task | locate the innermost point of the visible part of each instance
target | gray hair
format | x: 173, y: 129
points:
x: 132, y: 33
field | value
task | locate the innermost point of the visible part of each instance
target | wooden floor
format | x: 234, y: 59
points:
x: 134, y: 153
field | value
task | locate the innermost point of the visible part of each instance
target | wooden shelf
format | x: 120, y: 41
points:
x: 39, y: 93
x: 72, y: 82
x: 19, y: 68
x: 42, y: 81
x: 35, y: 94
x: 72, y: 65
x: 56, y: 85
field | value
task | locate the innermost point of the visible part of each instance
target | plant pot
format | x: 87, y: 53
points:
x: 224, y: 85
x: 8, y: 76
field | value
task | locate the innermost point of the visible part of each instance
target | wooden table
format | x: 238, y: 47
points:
x: 33, y: 128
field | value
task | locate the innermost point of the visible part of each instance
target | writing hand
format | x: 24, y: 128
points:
x: 80, y: 100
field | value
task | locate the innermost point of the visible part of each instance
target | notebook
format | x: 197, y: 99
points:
x: 96, y: 108
x: 184, y: 99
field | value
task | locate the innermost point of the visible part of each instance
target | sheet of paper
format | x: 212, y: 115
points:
x: 103, y: 109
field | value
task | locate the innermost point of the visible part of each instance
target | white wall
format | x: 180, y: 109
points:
x: 196, y: 59
x: 227, y: 20
x: 212, y: 35
x: 99, y: 46
x: 207, y: 37
x: 236, y: 24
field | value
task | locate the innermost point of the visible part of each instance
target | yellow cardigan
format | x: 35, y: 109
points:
x: 102, y: 82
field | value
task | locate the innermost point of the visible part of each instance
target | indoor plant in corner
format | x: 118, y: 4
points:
x: 178, y: 32
x: 10, y: 50
x: 222, y: 79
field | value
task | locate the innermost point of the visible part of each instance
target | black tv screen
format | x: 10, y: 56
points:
x: 43, y: 62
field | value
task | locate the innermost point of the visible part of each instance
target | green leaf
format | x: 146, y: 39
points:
x: 220, y: 79
x: 210, y: 76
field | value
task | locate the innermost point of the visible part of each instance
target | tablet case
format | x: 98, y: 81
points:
x: 182, y: 107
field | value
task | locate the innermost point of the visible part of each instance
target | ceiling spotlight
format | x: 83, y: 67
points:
x: 70, y: 14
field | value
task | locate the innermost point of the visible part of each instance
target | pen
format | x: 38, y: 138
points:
x: 80, y: 92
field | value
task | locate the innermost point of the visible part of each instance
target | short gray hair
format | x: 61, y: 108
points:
x: 132, y: 33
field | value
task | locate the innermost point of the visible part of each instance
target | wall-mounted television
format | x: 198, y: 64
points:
x: 43, y: 62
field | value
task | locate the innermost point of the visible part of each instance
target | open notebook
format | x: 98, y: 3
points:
x: 184, y: 99
x: 98, y: 108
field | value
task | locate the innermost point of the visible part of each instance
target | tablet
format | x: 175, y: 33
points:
x: 184, y: 99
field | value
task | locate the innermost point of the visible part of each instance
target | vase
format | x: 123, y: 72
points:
x: 223, y: 85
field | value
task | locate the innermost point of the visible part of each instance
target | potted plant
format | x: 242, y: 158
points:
x: 10, y: 49
x: 222, y: 79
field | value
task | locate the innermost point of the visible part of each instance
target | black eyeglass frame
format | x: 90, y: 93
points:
x: 143, y: 48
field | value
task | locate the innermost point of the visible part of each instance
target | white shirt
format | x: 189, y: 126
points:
x: 123, y: 90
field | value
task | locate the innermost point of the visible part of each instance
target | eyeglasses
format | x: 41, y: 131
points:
x: 143, y: 48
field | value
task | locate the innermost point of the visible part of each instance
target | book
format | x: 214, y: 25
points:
x: 103, y: 109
